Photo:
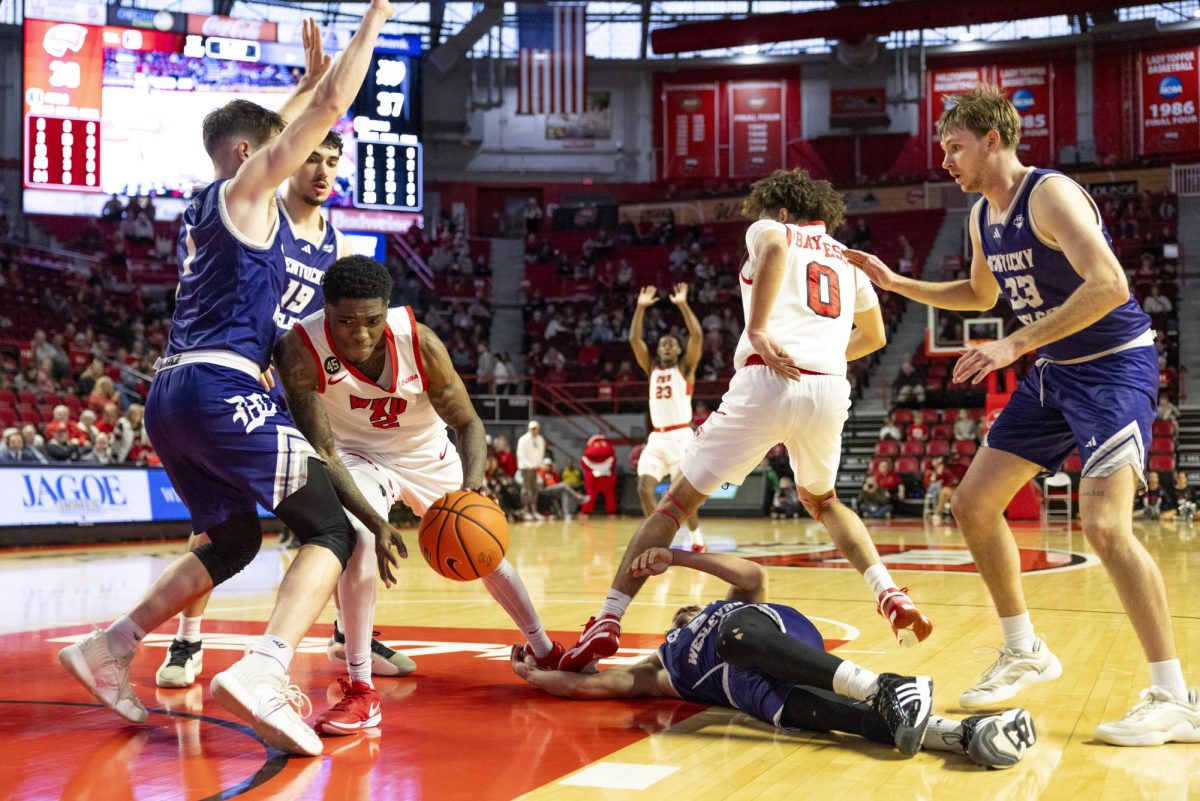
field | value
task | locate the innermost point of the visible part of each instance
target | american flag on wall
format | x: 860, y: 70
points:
x: 551, y: 59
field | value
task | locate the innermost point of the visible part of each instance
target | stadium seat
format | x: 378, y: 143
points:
x: 887, y: 447
x: 26, y: 397
x: 74, y: 404
x: 50, y: 399
x: 943, y: 431
x: 938, y: 447
x: 903, y: 416
x: 8, y: 417
x: 1162, y: 445
x: 909, y: 464
x: 28, y: 414
x: 8, y: 397
x: 1162, y: 462
x: 966, y: 447
x: 912, y: 448
x: 1161, y: 428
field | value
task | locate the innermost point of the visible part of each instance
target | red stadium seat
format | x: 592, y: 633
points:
x: 1162, y: 462
x: 46, y: 411
x: 909, y: 464
x: 966, y: 447
x: 887, y: 447
x: 26, y: 397
x: 1072, y: 464
x: 8, y: 417
x: 1162, y: 445
x: 903, y: 415
x: 50, y: 399
x: 912, y: 448
x: 28, y: 414
x: 1161, y: 428
x: 938, y: 447
x: 943, y: 431
x: 74, y: 404
x: 8, y: 397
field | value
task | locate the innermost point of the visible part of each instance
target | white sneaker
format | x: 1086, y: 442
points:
x: 182, y: 665
x: 1157, y: 718
x: 268, y: 703
x: 384, y: 661
x: 1012, y: 672
x: 998, y: 741
x: 105, y: 675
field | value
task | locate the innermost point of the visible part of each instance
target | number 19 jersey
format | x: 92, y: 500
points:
x: 389, y: 415
x: 305, y: 263
x: 820, y: 294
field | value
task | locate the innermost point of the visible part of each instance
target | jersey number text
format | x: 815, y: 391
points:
x: 824, y: 290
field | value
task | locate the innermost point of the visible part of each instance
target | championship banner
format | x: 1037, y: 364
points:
x: 1031, y: 90
x: 689, y: 130
x: 756, y: 138
x: 1170, y: 95
x: 947, y: 82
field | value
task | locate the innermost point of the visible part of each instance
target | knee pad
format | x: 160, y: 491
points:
x: 231, y: 546
x: 315, y: 515
x: 744, y: 632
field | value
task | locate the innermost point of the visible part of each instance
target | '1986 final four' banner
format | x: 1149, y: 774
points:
x: 1170, y: 96
x: 756, y: 137
x: 689, y: 130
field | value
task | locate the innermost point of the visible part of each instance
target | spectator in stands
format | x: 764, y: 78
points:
x: 87, y: 425
x: 786, y: 501
x: 678, y: 259
x: 1168, y: 411
x: 625, y: 374
x: 555, y: 492
x: 505, y: 458
x: 890, y: 428
x: 889, y: 480
x: 939, y: 485
x: 965, y: 427
x: 862, y: 238
x: 103, y: 394
x: 45, y: 378
x: 906, y: 261
x: 1150, y: 505
x: 700, y: 413
x: 531, y: 450
x: 26, y: 380
x: 874, y: 501
x: 918, y: 431
x: 44, y: 348
x: 1183, y: 498
x: 533, y: 216
x: 572, y: 476
x: 16, y: 450
x: 112, y: 211
x: 100, y: 451
x: 504, y: 377
x: 60, y: 420
x: 910, y: 384
x: 1156, y: 302
x: 62, y: 449
x: 484, y: 361
x: 87, y: 379
x: 109, y: 416
x: 624, y: 275
x: 129, y: 433
x: 33, y: 439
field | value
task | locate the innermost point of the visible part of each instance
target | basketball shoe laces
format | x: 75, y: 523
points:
x: 181, y: 651
x: 287, y: 695
x: 349, y: 697
x: 1149, y: 700
x: 897, y: 703
x: 1004, y: 656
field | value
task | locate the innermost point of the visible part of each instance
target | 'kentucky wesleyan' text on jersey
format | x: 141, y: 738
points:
x: 229, y: 286
x: 306, y: 263
x: 1036, y: 278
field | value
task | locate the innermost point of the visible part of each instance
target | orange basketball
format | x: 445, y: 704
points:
x: 463, y: 535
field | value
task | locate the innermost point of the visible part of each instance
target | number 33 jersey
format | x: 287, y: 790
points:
x: 385, y: 415
x: 818, y: 298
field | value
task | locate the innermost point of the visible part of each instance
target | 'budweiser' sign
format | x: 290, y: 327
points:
x: 382, y: 222
x: 256, y: 30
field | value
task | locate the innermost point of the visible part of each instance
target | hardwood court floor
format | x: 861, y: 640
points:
x: 463, y: 727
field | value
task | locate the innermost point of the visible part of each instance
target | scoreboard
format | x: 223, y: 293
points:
x: 387, y: 122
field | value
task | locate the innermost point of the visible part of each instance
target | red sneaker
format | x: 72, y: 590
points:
x: 699, y: 547
x: 908, y: 624
x: 358, y: 709
x: 600, y: 639
x: 551, y: 660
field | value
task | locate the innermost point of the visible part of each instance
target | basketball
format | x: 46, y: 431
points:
x: 463, y: 536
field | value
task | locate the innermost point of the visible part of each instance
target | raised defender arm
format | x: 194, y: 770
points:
x: 747, y: 580
x: 316, y: 62
x: 450, y: 400
x: 691, y: 358
x: 641, y: 353
x: 645, y: 679
x: 299, y: 375
x: 270, y: 166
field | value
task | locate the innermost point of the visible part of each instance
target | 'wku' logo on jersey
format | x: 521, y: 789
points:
x: 385, y: 412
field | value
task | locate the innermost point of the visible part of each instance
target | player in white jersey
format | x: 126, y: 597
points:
x: 672, y: 376
x: 379, y: 390
x: 808, y: 312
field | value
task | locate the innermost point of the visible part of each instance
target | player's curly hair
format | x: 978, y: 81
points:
x: 240, y: 119
x: 805, y: 198
x: 332, y: 141
x: 980, y: 110
x: 357, y: 278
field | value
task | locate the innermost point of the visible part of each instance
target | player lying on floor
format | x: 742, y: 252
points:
x: 769, y: 661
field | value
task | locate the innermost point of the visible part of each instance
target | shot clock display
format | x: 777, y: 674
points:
x: 387, y: 121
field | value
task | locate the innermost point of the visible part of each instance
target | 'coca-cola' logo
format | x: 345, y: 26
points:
x: 231, y: 28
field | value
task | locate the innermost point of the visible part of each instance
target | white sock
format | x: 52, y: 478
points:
x: 615, y: 604
x: 696, y: 536
x: 943, y: 734
x: 879, y: 579
x: 854, y: 681
x: 1169, y: 676
x: 1018, y: 632
x: 505, y: 585
x: 124, y: 636
x: 359, y: 666
x: 189, y: 628
x: 272, y: 654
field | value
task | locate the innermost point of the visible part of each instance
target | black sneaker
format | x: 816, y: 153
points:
x: 384, y: 660
x: 904, y: 703
x: 998, y: 741
x: 183, y: 664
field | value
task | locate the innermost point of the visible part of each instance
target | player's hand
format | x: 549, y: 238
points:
x: 484, y: 490
x: 383, y: 6
x: 521, y: 661
x: 316, y: 61
x: 267, y: 379
x: 679, y: 296
x: 774, y: 355
x: 880, y: 274
x: 647, y: 296
x: 388, y: 543
x: 651, y: 562
x: 979, y: 360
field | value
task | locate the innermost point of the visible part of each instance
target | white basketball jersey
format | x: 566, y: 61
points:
x: 820, y: 294
x: 380, y: 415
x: 670, y: 398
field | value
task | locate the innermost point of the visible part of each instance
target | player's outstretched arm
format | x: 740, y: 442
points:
x: 450, y: 400
x: 747, y: 580
x: 316, y: 62
x: 270, y: 166
x: 641, y: 353
x: 771, y: 260
x: 298, y: 373
x: 691, y: 358
x: 636, y: 681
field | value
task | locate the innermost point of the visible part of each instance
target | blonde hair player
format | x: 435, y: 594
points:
x: 672, y: 376
x: 808, y: 312
x: 1038, y: 235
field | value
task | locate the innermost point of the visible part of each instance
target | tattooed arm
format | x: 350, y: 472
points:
x: 452, y: 403
x: 299, y: 375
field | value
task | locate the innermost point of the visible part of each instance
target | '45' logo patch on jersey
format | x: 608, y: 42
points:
x: 385, y: 412
x: 333, y: 365
x: 252, y: 410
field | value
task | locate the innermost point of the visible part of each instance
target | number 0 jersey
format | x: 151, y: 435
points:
x: 820, y: 294
x: 388, y: 416
x: 1037, y: 278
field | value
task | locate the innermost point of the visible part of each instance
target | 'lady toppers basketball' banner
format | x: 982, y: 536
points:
x: 756, y: 139
x: 1170, y: 96
x: 1031, y: 90
x: 942, y: 82
x: 689, y: 130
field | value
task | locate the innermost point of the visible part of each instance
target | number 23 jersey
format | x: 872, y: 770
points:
x: 818, y: 298
x: 386, y: 415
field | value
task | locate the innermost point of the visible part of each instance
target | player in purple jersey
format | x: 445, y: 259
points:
x: 1038, y: 237
x: 770, y: 662
x: 225, y: 444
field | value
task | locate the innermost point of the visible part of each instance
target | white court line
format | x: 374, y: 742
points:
x: 620, y: 776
